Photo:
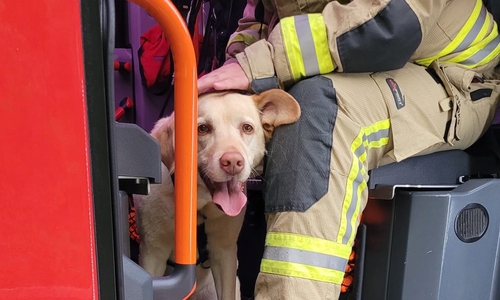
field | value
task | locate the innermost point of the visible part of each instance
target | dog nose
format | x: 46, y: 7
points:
x: 232, y: 163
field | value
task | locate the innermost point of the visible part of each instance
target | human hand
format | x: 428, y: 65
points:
x: 227, y: 77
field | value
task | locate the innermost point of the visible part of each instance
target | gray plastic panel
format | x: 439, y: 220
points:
x: 176, y: 286
x: 419, y: 233
x: 122, y: 225
x: 138, y: 154
x: 437, y: 168
x: 413, y: 252
x: 138, y: 282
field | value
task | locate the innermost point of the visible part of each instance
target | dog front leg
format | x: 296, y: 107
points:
x: 157, y: 245
x: 222, y: 235
x: 153, y: 260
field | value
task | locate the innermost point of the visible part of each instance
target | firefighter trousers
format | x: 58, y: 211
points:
x: 317, y: 168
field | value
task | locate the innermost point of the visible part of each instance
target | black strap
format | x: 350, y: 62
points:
x: 203, y: 254
x: 259, y: 15
x: 201, y: 241
x: 259, y: 12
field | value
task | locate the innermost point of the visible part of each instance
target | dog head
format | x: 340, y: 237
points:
x: 232, y: 131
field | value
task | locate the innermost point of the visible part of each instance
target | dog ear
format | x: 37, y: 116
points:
x: 163, y: 132
x: 277, y: 108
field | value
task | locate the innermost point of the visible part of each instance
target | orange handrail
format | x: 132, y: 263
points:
x: 186, y: 114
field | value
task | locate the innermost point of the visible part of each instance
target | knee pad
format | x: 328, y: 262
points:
x: 298, y: 162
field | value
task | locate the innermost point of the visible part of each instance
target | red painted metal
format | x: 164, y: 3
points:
x: 47, y: 246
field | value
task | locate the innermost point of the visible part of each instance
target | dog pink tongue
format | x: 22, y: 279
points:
x: 230, y: 197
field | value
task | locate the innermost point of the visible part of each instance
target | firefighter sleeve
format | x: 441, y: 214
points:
x: 362, y: 36
x: 249, y: 31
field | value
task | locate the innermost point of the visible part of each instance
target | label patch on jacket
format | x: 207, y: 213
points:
x: 396, y: 92
x: 480, y: 94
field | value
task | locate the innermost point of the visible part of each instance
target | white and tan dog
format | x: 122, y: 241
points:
x: 232, y: 131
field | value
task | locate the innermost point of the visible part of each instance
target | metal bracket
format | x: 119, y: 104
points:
x: 134, y: 185
x: 387, y: 192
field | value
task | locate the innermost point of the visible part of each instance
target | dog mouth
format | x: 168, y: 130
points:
x: 228, y: 195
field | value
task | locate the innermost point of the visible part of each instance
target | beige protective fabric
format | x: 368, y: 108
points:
x: 468, y: 119
x: 257, y: 62
x: 440, y: 33
x: 365, y: 101
x: 440, y: 22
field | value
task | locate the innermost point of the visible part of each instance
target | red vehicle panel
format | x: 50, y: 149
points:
x: 47, y: 230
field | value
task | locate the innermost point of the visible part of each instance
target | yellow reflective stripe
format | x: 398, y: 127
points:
x: 355, y: 216
x: 459, y: 38
x: 306, y: 257
x: 473, y: 50
x: 301, y: 271
x: 306, y: 45
x: 373, y: 136
x: 487, y: 59
x: 377, y: 126
x: 292, y: 47
x: 257, y: 27
x: 484, y: 30
x: 378, y: 144
x: 318, y: 30
x: 307, y: 243
x: 248, y: 36
x: 243, y: 37
x: 349, y: 187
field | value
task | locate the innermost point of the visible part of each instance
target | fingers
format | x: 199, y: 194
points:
x: 227, y: 77
x: 231, y: 84
x: 206, y: 83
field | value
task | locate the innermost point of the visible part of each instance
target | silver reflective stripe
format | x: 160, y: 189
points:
x: 304, y: 257
x: 354, y: 202
x: 306, y: 41
x: 372, y: 137
x: 471, y: 36
x: 473, y: 32
x: 377, y: 135
x: 481, y: 54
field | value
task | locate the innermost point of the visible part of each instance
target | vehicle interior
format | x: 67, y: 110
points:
x: 431, y: 229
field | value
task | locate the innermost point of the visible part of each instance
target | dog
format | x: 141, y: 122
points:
x: 232, y: 131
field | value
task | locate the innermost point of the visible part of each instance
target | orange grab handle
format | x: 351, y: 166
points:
x: 186, y: 115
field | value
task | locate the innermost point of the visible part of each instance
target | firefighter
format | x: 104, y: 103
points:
x: 378, y: 82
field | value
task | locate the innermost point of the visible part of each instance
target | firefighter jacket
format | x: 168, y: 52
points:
x: 295, y: 39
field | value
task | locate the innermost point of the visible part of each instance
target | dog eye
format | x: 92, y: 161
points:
x: 247, y: 128
x: 203, y: 129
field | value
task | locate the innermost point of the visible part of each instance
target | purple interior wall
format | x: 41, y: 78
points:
x: 147, y: 106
